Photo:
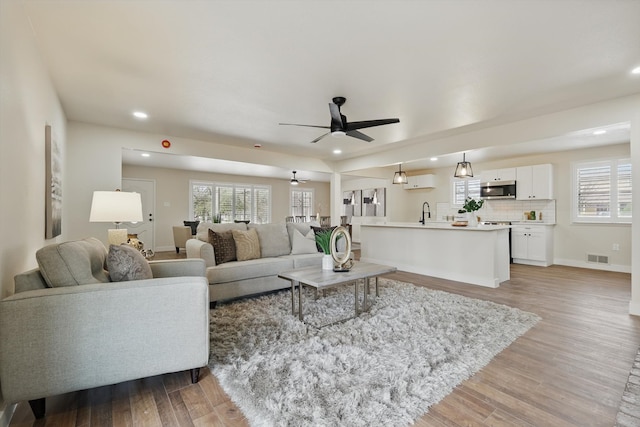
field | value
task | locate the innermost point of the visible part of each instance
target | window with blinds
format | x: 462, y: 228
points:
x: 302, y: 202
x: 230, y: 202
x: 463, y: 188
x: 602, y: 191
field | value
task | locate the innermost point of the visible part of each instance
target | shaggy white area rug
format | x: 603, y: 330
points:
x: 384, y: 368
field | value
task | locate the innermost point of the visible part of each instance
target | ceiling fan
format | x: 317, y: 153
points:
x: 339, y: 125
x: 296, y: 181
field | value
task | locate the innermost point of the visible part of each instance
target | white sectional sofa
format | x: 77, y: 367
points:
x: 280, y: 250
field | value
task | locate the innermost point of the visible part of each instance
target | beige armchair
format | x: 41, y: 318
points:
x: 180, y: 236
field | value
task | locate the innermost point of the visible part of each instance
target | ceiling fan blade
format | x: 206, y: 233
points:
x: 370, y: 123
x: 307, y: 126
x: 320, y: 137
x: 359, y: 135
x: 336, y: 117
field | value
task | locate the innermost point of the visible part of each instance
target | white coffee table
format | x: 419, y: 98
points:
x: 324, y: 279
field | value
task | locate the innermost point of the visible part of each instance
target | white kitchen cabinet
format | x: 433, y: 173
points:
x: 508, y: 174
x: 534, y: 182
x: 420, y: 181
x: 532, y: 244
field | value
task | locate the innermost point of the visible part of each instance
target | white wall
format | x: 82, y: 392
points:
x: 172, y: 196
x: 28, y: 102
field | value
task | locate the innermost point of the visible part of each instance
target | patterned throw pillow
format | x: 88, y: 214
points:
x: 224, y: 247
x: 126, y: 263
x: 247, y: 244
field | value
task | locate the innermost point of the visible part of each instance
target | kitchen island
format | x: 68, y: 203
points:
x: 477, y: 255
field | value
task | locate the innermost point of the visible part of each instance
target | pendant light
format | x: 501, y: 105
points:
x: 463, y: 170
x: 400, y: 177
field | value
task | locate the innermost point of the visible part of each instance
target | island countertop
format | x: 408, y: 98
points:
x: 438, y: 226
x: 477, y: 255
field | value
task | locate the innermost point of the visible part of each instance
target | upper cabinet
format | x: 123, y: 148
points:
x: 534, y: 182
x: 498, y: 175
x: 420, y: 181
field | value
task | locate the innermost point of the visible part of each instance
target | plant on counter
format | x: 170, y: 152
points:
x: 471, y: 205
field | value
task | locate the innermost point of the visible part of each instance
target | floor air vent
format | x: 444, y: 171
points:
x: 599, y: 259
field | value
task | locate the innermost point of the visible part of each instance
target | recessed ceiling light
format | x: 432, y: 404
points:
x: 635, y: 70
x: 145, y: 155
x: 337, y: 151
x: 140, y: 115
x: 599, y: 132
x: 433, y: 159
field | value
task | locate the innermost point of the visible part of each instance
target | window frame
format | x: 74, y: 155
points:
x: 254, y: 189
x: 614, y: 217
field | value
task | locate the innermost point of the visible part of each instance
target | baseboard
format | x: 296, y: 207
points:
x: 583, y: 264
x: 167, y: 248
x: 6, y: 413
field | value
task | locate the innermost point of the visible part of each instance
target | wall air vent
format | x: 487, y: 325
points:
x: 599, y: 259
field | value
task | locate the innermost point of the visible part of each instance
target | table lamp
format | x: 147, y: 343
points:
x: 117, y: 207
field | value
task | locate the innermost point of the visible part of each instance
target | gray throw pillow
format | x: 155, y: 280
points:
x: 304, y: 244
x: 224, y: 247
x: 126, y: 263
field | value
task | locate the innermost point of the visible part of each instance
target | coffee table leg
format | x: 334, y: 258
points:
x: 365, y: 305
x: 293, y: 296
x: 300, y: 316
x: 377, y: 293
x: 355, y: 286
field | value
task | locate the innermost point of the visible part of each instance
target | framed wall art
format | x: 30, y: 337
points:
x: 53, y: 185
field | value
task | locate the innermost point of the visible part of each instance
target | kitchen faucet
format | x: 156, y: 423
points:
x: 428, y: 212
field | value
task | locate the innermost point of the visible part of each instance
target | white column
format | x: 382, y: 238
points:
x: 634, y: 304
x: 335, y: 192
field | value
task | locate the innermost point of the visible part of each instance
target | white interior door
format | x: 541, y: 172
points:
x: 144, y: 229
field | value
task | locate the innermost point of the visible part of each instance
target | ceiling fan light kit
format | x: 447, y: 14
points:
x: 400, y: 177
x: 340, y: 126
x: 296, y: 181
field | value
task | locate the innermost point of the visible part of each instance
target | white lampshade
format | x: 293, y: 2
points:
x: 116, y: 206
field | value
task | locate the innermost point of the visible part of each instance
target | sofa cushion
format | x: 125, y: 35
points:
x: 237, y: 271
x: 247, y: 244
x: 274, y: 240
x: 306, y: 260
x: 224, y: 247
x: 126, y: 263
x: 303, y: 244
x: 204, y: 227
x: 73, y: 263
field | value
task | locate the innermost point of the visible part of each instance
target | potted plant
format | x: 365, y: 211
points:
x: 470, y: 206
x: 323, y: 239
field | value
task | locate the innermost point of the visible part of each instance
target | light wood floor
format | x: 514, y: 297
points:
x: 568, y: 370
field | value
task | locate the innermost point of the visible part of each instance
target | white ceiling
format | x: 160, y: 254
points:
x: 228, y: 72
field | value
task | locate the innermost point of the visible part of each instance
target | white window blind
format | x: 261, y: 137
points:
x: 231, y: 202
x: 302, y: 202
x: 602, y: 191
x: 463, y: 188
